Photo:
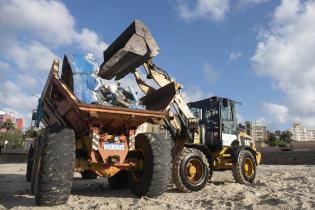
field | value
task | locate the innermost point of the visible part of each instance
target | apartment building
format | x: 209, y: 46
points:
x: 256, y: 130
x: 299, y: 133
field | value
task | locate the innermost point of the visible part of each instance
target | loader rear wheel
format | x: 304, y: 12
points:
x: 30, y: 161
x: 190, y: 170
x: 119, y: 181
x: 55, y: 167
x: 244, y: 171
x: 153, y: 168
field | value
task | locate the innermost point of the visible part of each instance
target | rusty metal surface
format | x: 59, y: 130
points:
x: 130, y: 50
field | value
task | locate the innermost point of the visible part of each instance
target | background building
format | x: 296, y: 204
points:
x: 302, y: 134
x: 256, y: 130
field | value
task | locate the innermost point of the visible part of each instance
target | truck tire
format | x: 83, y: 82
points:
x: 56, y: 167
x: 244, y: 171
x: 119, y: 181
x: 154, y: 177
x: 88, y: 175
x: 37, y: 157
x: 190, y: 170
x: 30, y: 161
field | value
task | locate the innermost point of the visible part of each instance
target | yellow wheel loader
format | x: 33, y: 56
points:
x: 205, y: 133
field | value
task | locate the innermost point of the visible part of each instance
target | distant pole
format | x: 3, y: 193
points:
x: 5, y: 144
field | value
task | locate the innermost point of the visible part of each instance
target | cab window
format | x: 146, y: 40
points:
x: 227, y: 112
x: 197, y: 112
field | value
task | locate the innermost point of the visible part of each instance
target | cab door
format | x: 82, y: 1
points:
x: 228, y: 122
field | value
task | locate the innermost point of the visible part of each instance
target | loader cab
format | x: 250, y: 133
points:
x: 217, y: 121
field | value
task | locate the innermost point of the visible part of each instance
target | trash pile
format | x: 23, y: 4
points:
x: 91, y: 89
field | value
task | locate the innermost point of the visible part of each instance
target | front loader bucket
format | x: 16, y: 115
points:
x: 129, y: 51
x: 161, y: 98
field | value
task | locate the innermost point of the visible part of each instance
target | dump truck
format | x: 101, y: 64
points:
x: 205, y: 133
x: 94, y: 140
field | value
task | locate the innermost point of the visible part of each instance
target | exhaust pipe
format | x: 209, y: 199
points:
x: 129, y: 51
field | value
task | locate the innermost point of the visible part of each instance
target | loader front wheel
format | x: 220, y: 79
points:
x: 56, y: 167
x: 244, y: 171
x: 152, y: 173
x: 190, y: 170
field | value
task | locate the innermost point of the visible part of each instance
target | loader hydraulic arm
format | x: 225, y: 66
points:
x: 181, y: 123
x: 133, y: 48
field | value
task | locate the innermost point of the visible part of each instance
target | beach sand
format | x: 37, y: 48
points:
x: 276, y: 187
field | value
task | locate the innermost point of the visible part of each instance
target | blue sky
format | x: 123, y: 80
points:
x: 244, y: 50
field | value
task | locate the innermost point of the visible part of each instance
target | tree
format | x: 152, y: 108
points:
x: 30, y: 133
x: 280, y: 140
x: 272, y: 139
x: 286, y: 136
x: 14, y: 137
x: 8, y: 125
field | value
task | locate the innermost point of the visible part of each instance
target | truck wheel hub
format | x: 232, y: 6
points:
x: 248, y: 167
x: 194, y: 170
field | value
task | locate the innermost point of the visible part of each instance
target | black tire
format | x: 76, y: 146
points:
x: 30, y: 161
x: 241, y: 175
x: 55, y: 167
x: 180, y: 173
x: 119, y: 181
x: 211, y: 169
x: 155, y: 177
x: 88, y: 175
x: 36, y: 162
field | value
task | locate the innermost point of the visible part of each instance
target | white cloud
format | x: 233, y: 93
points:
x: 194, y: 93
x: 14, y: 100
x: 286, y: 52
x: 276, y: 112
x: 49, y: 21
x: 213, y: 10
x: 287, y: 11
x: 210, y: 74
x: 4, y: 66
x: 89, y: 41
x: 4, y: 70
x: 234, y: 56
x: 31, y: 57
x: 25, y: 80
x: 12, y: 96
x: 47, y: 25
x: 31, y: 32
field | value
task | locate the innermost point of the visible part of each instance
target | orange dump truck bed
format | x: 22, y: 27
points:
x: 58, y: 105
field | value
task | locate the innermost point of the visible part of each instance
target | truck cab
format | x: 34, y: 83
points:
x: 217, y: 121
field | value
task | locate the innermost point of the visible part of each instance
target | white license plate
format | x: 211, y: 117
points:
x: 113, y: 146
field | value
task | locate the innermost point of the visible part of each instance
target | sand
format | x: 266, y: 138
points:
x: 277, y: 187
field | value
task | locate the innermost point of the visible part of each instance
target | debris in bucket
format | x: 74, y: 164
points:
x: 117, y: 96
x: 84, y: 69
x: 90, y: 88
